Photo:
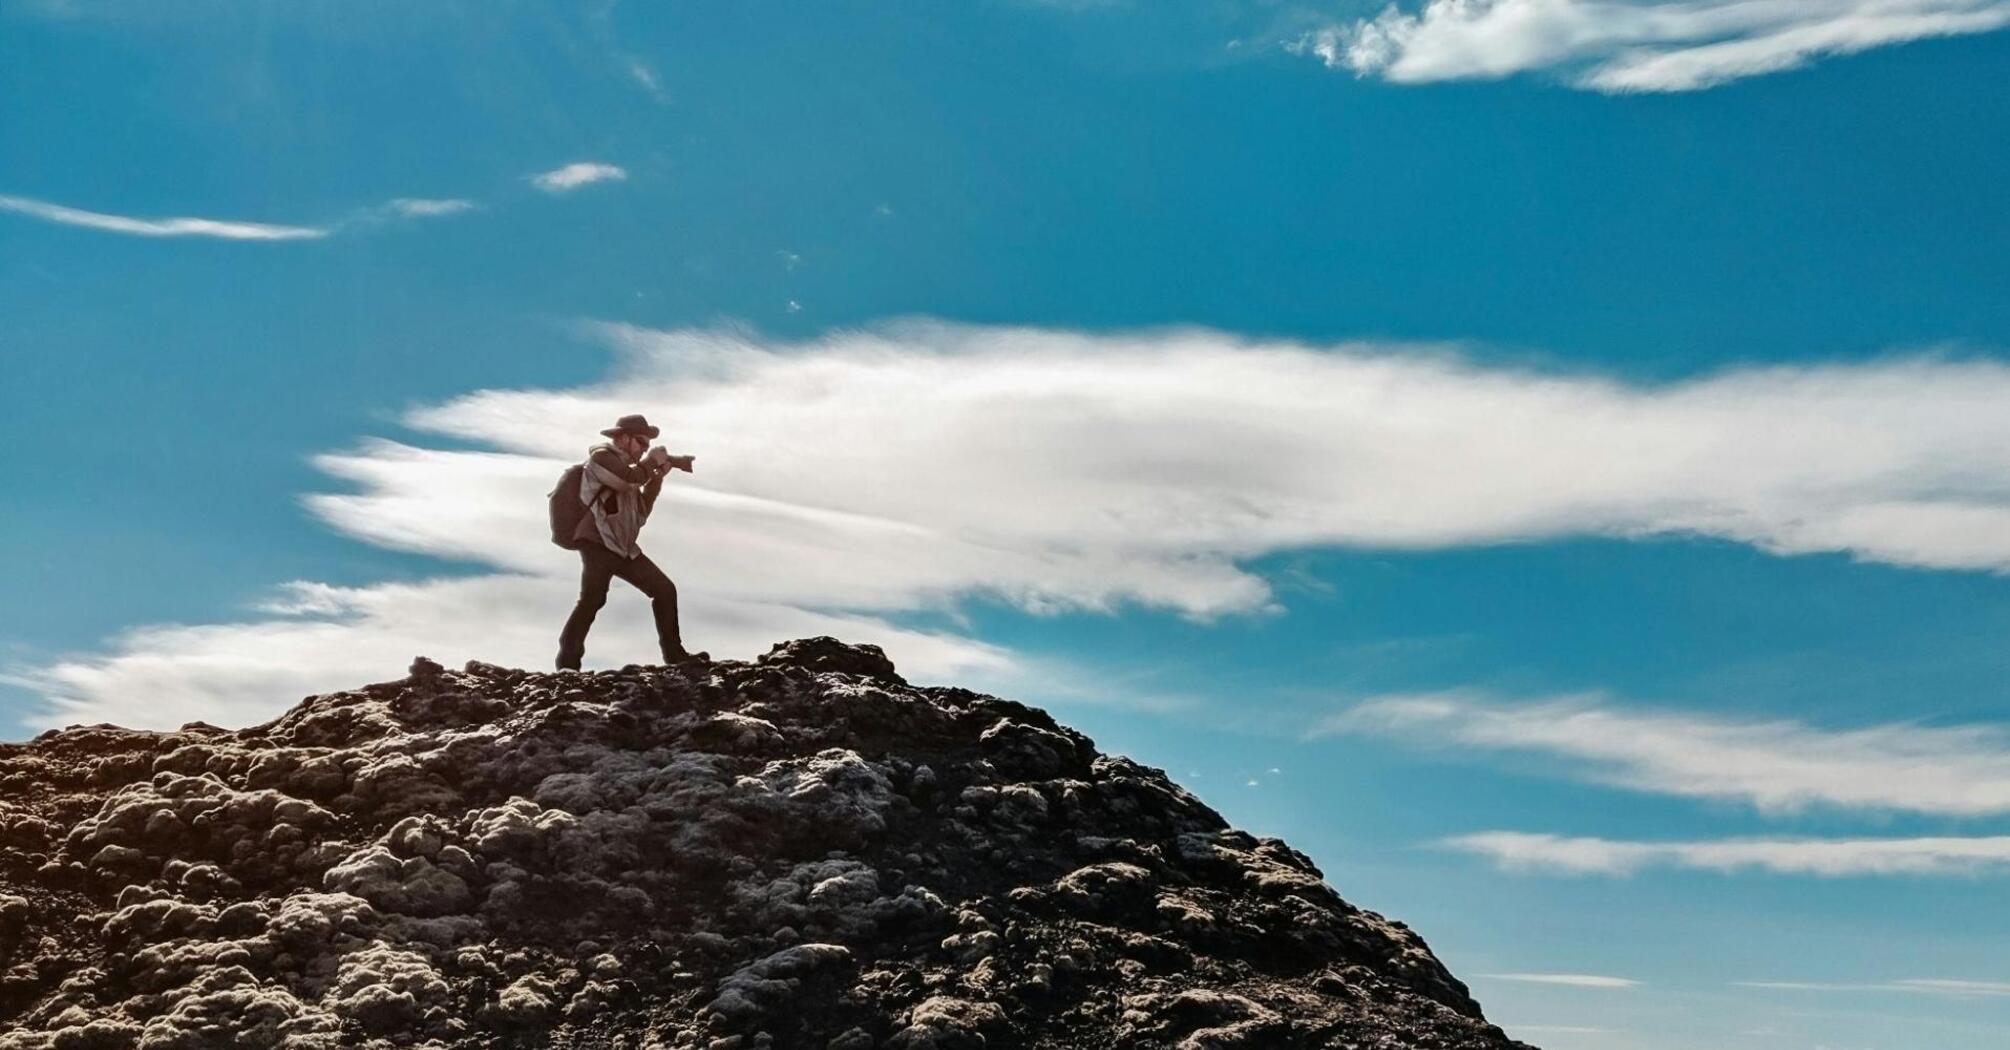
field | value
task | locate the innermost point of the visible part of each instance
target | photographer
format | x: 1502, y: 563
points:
x: 619, y: 486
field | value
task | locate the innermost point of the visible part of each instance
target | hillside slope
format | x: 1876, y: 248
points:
x: 803, y: 851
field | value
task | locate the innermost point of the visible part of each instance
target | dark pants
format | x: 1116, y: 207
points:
x: 598, y: 565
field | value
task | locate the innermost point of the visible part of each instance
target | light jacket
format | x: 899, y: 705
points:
x: 619, y: 494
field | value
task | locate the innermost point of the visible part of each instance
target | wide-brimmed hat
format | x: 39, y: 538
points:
x: 632, y: 425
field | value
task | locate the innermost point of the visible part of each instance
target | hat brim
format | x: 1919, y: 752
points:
x: 648, y: 432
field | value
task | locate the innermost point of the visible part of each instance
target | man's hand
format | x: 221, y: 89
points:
x: 660, y: 458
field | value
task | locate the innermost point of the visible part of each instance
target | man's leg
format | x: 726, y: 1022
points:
x: 596, y: 567
x: 651, y: 581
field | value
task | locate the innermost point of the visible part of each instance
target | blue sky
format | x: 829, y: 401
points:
x: 1543, y: 458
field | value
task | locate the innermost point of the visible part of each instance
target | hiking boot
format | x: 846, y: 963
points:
x: 682, y: 656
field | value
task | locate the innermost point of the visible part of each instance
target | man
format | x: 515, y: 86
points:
x: 619, y: 487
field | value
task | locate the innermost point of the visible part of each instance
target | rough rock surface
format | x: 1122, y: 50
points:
x: 802, y: 851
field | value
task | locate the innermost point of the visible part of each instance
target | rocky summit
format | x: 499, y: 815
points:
x: 799, y: 851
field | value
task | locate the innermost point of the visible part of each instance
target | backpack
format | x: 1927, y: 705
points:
x: 566, y: 506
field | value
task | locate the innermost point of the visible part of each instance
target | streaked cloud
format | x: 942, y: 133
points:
x: 315, y: 638
x: 1775, y: 765
x: 218, y: 229
x: 426, y: 208
x: 396, y: 209
x: 1834, y: 858
x: 645, y: 77
x: 573, y: 176
x: 1569, y: 980
x: 835, y: 478
x: 1632, y: 45
x: 1957, y: 989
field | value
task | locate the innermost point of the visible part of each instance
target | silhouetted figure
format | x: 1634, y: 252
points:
x: 617, y: 487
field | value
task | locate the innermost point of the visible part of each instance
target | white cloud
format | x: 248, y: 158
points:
x: 323, y: 638
x: 872, y: 473
x: 425, y: 208
x: 396, y: 208
x: 1958, y: 989
x: 1776, y: 765
x: 1522, y: 851
x: 646, y: 78
x: 573, y: 176
x: 1634, y: 45
x: 170, y: 227
x: 1569, y: 980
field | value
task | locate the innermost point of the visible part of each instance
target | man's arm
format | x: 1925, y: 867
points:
x: 632, y: 473
x: 650, y: 490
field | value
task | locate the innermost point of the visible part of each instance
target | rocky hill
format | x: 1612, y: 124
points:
x: 801, y: 851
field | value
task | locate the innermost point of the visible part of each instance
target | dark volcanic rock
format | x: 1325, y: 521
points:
x: 798, y: 852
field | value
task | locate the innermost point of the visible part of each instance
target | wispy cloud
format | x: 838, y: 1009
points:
x: 835, y: 479
x: 645, y: 77
x: 396, y: 209
x: 1522, y: 851
x: 1775, y: 765
x: 573, y: 176
x: 219, y: 229
x: 427, y: 208
x: 316, y: 637
x: 1633, y: 45
x: 1958, y: 989
x: 1569, y: 980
